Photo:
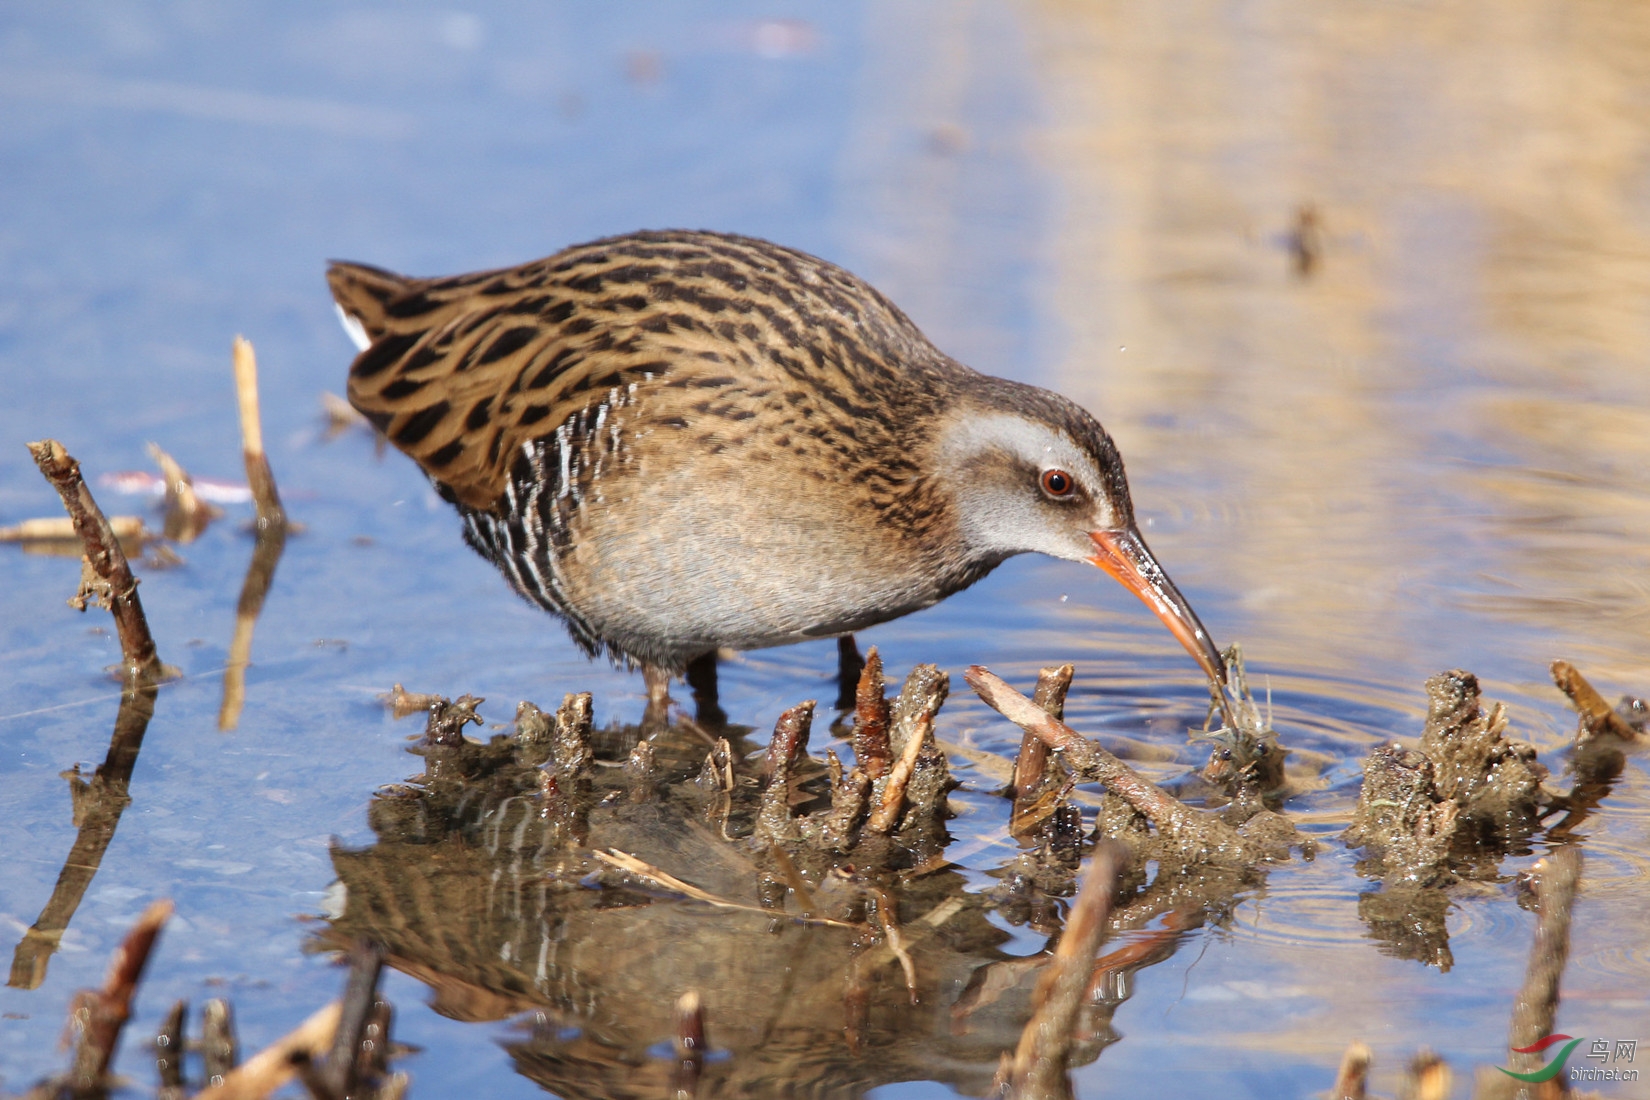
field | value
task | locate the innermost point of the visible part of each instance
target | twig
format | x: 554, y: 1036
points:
x: 1597, y: 717
x: 793, y: 878
x: 887, y: 916
x: 258, y: 474
x: 186, y: 514
x: 1031, y: 778
x: 402, y: 702
x: 99, y: 1015
x: 59, y: 528
x: 1001, y: 768
x: 1038, y: 1069
x: 629, y: 864
x: 871, y: 751
x: 788, y: 744
x: 1086, y: 757
x: 107, y: 575
x: 893, y: 795
x: 272, y: 1067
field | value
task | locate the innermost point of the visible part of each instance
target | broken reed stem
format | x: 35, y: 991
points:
x: 258, y: 474
x: 1597, y: 716
x: 57, y: 528
x: 186, y: 514
x: 893, y: 795
x: 871, y: 750
x: 1085, y: 756
x: 1031, y: 768
x: 1038, y: 1069
x: 99, y: 1015
x: 104, y: 558
x: 274, y: 1066
x: 1556, y: 878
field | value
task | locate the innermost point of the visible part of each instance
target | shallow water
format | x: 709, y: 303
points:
x: 1430, y: 452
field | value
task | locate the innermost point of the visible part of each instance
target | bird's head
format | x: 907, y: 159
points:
x: 1030, y: 471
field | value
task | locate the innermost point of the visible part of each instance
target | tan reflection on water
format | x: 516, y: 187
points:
x: 1433, y: 450
x: 1444, y: 432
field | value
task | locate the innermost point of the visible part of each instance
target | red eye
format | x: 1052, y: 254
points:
x: 1058, y: 483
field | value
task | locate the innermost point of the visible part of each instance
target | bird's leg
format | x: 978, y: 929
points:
x: 658, y: 696
x: 849, y: 664
x: 701, y: 677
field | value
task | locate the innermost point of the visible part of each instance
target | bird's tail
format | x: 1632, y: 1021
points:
x: 362, y: 292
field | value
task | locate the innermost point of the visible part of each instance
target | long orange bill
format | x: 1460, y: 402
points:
x: 1125, y: 556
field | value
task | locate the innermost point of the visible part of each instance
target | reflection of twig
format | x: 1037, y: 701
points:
x: 107, y: 576
x: 1556, y: 878
x: 271, y: 526
x: 273, y: 1067
x: 99, y: 1015
x: 260, y: 574
x: 887, y: 916
x: 690, y: 1044
x: 629, y: 864
x: 1038, y: 1067
x: 98, y: 806
x: 258, y: 475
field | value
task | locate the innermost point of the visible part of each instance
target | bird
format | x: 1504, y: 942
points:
x: 681, y: 441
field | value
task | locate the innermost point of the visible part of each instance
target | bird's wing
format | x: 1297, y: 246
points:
x: 462, y: 371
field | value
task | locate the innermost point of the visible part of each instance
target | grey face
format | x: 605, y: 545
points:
x: 1024, y: 486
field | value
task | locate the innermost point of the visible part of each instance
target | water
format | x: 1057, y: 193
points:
x: 1429, y: 453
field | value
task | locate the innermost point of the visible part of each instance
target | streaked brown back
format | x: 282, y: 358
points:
x: 462, y: 371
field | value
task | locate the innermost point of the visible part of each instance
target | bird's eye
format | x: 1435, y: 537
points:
x: 1058, y: 483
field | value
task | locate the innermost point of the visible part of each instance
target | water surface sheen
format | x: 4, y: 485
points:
x: 1426, y: 451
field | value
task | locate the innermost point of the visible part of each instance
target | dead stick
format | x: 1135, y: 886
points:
x: 100, y: 1015
x: 871, y: 750
x: 1537, y: 1006
x: 1597, y: 717
x: 1038, y: 1071
x: 103, y: 555
x: 272, y: 1067
x: 1032, y: 764
x: 258, y: 474
x: 1085, y: 756
x: 893, y: 795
